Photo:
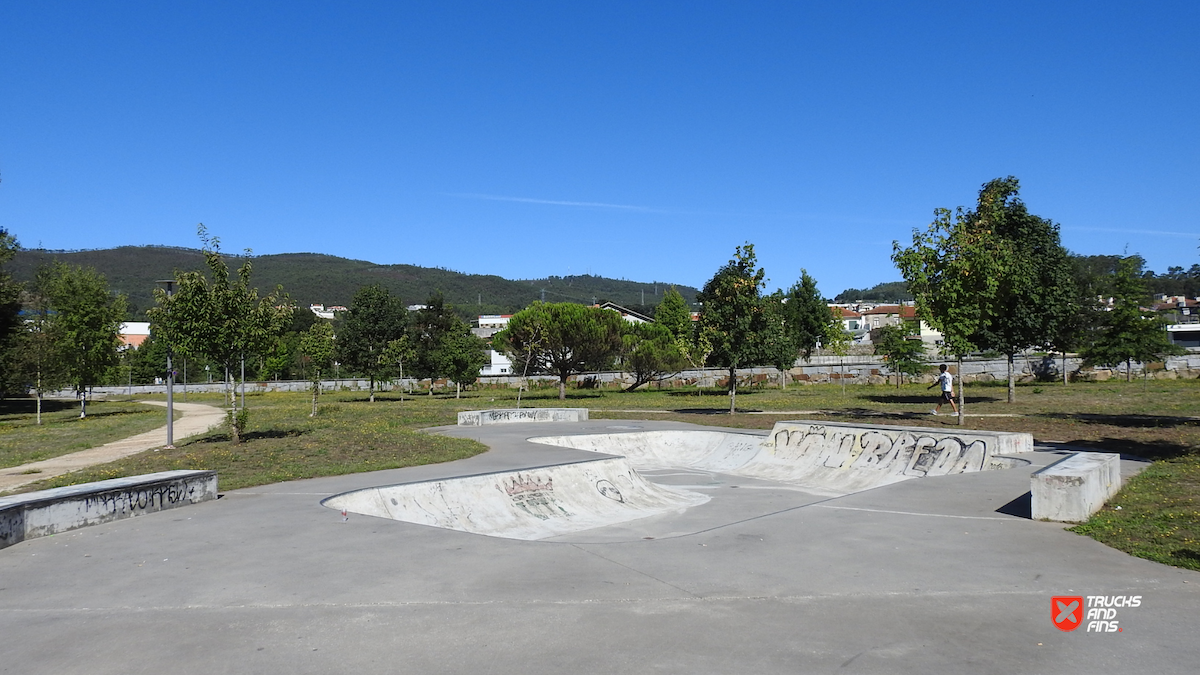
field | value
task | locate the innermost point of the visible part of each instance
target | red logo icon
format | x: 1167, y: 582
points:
x: 1066, y: 611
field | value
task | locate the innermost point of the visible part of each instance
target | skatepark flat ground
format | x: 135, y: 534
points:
x: 930, y: 575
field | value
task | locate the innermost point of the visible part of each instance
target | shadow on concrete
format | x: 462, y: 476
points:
x: 1021, y: 507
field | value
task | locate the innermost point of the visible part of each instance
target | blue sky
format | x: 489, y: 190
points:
x: 634, y: 140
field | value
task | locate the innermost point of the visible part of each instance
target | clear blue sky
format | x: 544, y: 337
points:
x: 637, y: 140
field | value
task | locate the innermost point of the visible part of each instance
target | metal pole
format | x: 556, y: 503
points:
x: 170, y: 286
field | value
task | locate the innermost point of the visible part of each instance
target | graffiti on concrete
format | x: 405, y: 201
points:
x: 915, y: 453
x: 134, y: 500
x: 607, y: 489
x: 533, y: 496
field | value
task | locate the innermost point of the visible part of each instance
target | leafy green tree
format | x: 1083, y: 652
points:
x: 733, y: 318
x: 837, y: 341
x: 220, y: 319
x: 953, y: 269
x: 903, y: 355
x: 1127, y: 333
x: 10, y: 308
x: 87, y: 323
x: 780, y: 347
x: 38, y: 348
x: 397, y: 353
x: 561, y: 339
x: 674, y: 314
x: 1035, y: 292
x: 461, y: 355
x: 649, y: 353
x: 808, y: 317
x: 375, y: 318
x: 430, y: 327
x: 317, y: 345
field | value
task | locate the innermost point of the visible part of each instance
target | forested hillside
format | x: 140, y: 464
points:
x: 329, y: 280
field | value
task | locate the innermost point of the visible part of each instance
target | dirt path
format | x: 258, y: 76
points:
x: 197, y: 418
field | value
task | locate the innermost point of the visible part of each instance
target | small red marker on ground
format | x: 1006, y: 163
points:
x: 344, y: 516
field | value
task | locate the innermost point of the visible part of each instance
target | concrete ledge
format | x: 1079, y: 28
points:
x: 1073, y: 488
x: 474, y: 418
x: 38, y: 514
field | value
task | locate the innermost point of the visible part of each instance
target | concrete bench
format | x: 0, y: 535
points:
x: 1073, y: 488
x: 38, y: 514
x: 474, y: 418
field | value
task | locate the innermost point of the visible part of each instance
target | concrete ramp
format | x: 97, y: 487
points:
x: 528, y: 504
x: 826, y: 458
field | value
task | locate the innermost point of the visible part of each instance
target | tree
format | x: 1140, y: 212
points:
x: 674, y: 314
x: 649, y: 352
x: 375, y: 318
x: 780, y: 347
x: 219, y: 319
x: 733, y: 319
x: 398, y: 352
x: 38, y: 348
x: 461, y: 356
x: 317, y: 345
x: 1127, y: 333
x: 87, y: 324
x: 561, y: 339
x: 10, y: 309
x: 953, y: 269
x: 808, y: 315
x: 430, y: 326
x: 837, y: 341
x: 904, y: 355
x: 1035, y: 294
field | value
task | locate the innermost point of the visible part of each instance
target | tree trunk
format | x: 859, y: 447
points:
x: 842, y: 367
x: 431, y: 386
x: 457, y: 390
x: 962, y: 395
x: 316, y: 393
x: 371, y: 388
x: 1012, y: 381
x: 732, y: 390
x: 1064, y: 368
x: 39, y: 404
x: 562, y: 388
x: 1129, y: 370
x: 82, y: 404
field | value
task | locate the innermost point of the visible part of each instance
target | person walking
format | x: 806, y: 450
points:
x: 947, y: 381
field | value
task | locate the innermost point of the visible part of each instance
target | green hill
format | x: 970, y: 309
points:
x: 314, y: 278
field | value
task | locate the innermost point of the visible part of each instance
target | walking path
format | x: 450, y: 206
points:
x: 197, y: 418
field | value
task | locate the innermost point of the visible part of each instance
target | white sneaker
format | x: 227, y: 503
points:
x: 933, y: 412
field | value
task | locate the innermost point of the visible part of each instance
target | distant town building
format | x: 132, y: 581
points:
x: 133, y: 334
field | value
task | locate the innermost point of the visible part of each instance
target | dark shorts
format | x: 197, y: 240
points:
x: 947, y: 397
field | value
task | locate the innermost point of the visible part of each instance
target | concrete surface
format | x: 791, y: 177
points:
x: 47, y: 512
x: 937, y: 575
x: 1073, y: 488
x: 521, y: 416
x: 533, y: 503
x: 197, y: 418
x: 826, y: 459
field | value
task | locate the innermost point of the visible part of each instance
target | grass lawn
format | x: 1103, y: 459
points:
x: 62, y: 432
x: 1160, y: 420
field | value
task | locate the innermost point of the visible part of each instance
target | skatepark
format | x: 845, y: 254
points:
x: 602, y: 546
